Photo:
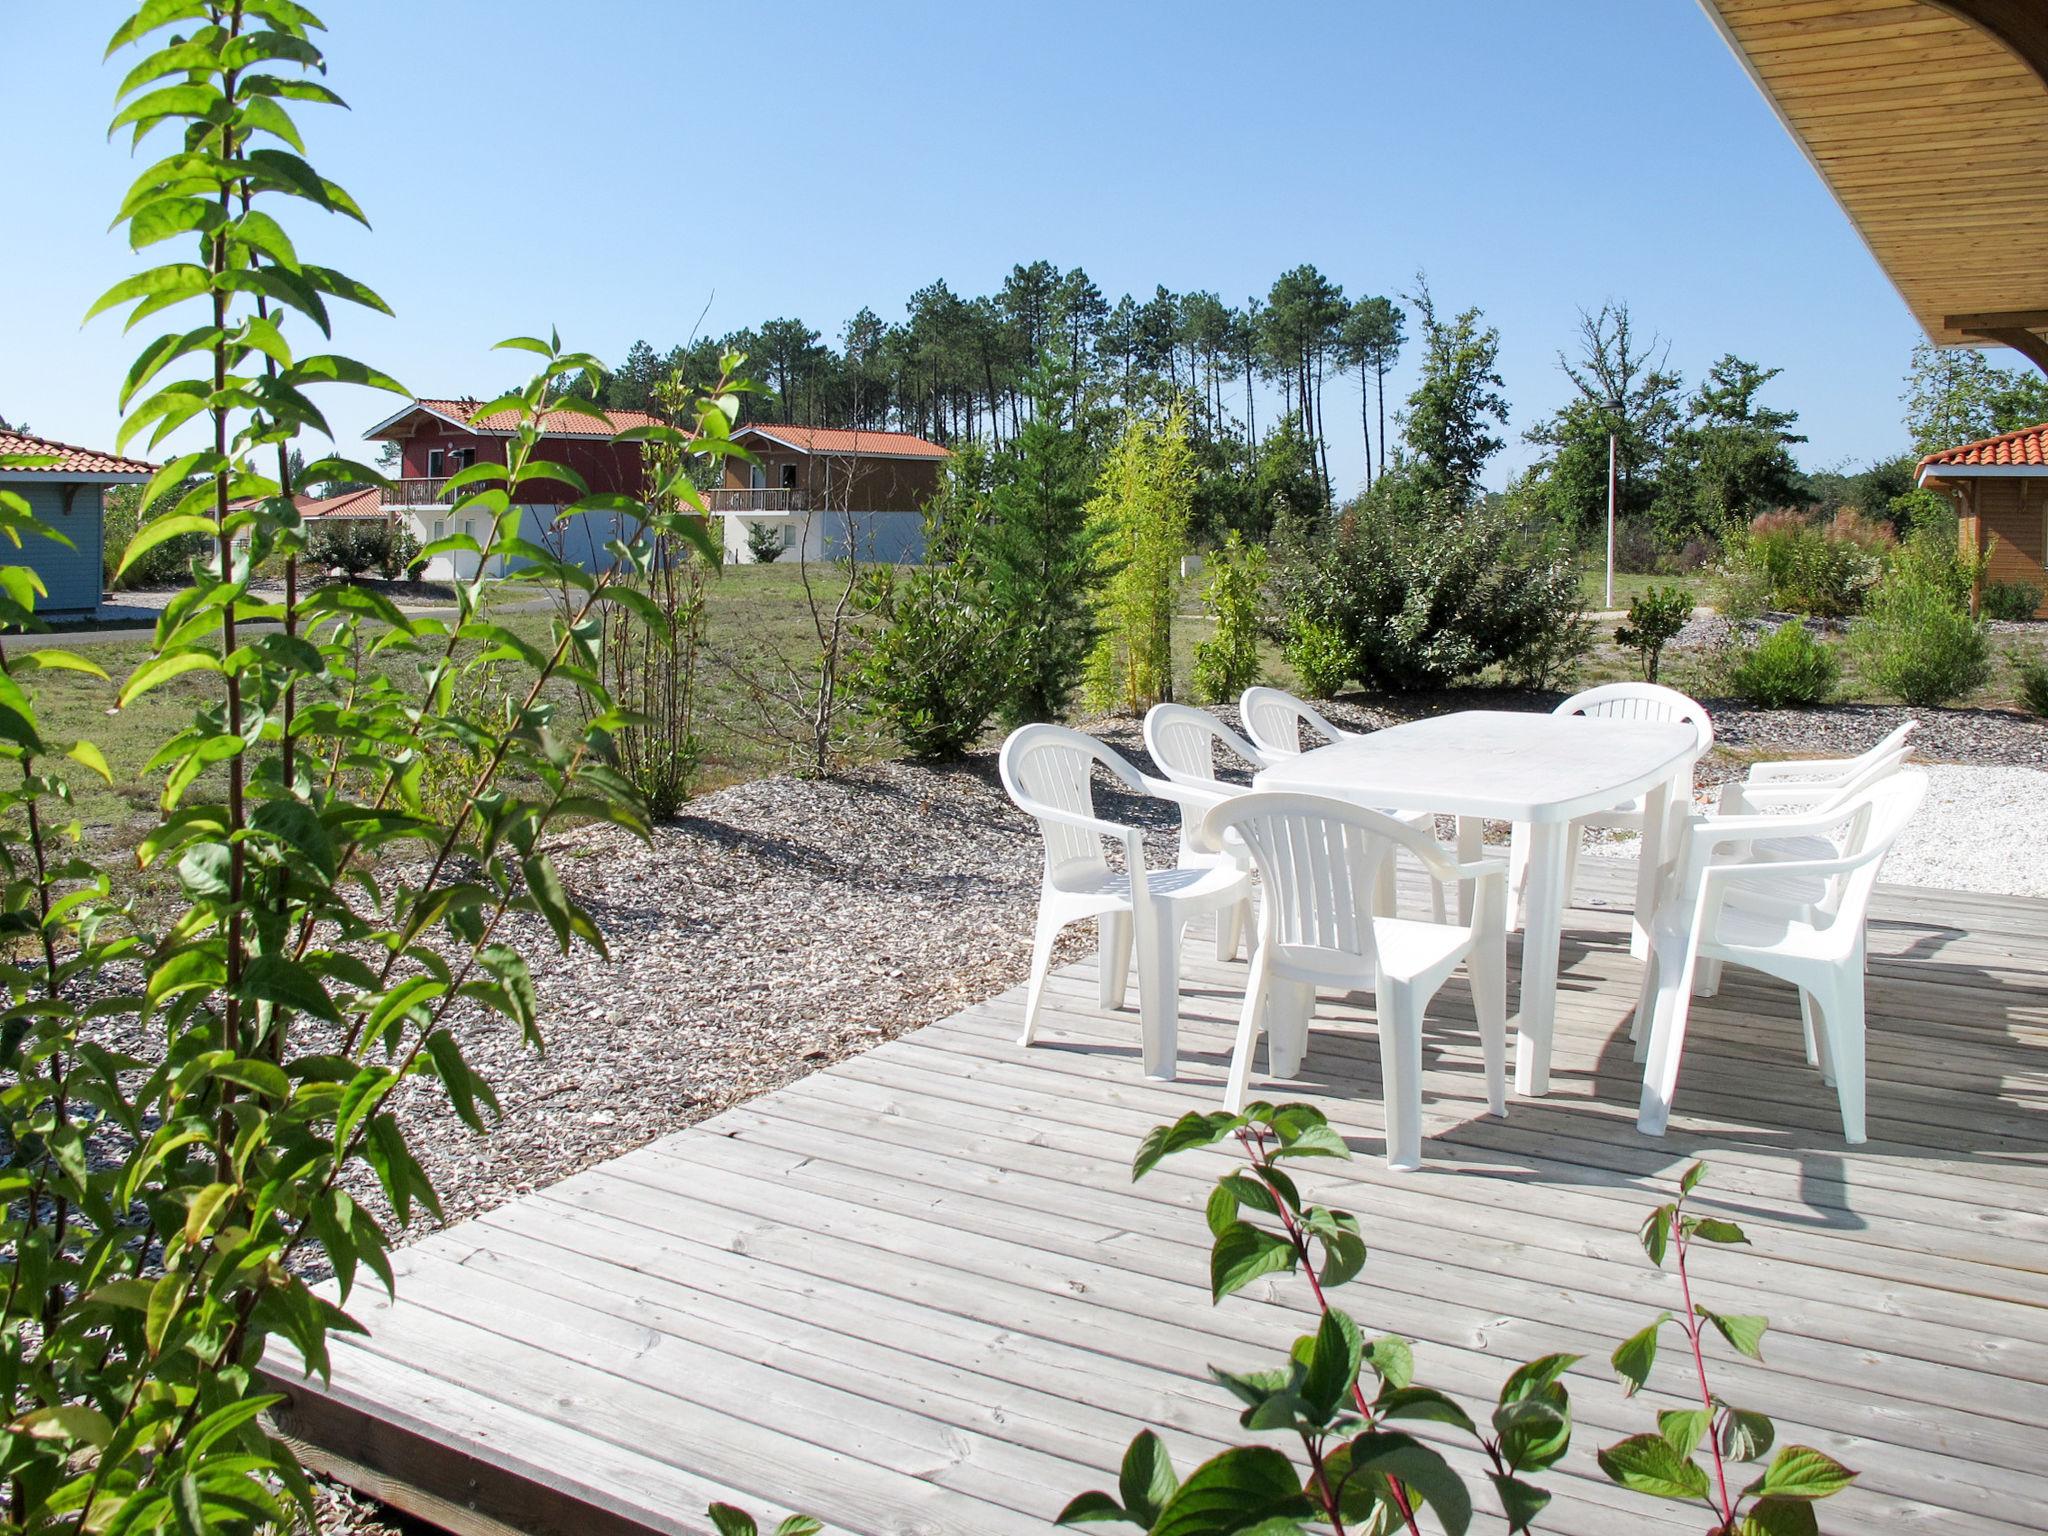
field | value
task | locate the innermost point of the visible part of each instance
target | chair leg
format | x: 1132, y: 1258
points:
x: 1042, y: 938
x: 1706, y: 978
x: 1667, y: 1044
x: 1113, y: 957
x: 1287, y: 1021
x: 1385, y: 895
x: 1158, y: 956
x: 1487, y: 966
x: 1842, y: 1022
x: 1255, y: 989
x: 1226, y: 932
x: 1400, y: 1011
x: 1438, y: 912
x: 1807, y: 1030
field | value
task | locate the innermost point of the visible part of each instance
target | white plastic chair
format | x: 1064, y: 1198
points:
x: 1183, y: 742
x: 1724, y: 912
x: 1274, y: 719
x: 1048, y: 771
x: 1621, y: 701
x: 1319, y: 861
x: 1786, y: 785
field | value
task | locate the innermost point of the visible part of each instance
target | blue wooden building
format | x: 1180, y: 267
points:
x: 68, y: 496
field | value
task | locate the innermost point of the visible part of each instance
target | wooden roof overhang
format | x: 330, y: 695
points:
x: 1928, y: 120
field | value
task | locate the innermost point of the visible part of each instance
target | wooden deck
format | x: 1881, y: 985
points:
x: 918, y: 1292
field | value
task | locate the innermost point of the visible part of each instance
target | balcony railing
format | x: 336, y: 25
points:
x: 421, y: 492
x: 761, y: 498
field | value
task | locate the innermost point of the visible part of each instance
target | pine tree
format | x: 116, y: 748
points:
x: 1040, y: 555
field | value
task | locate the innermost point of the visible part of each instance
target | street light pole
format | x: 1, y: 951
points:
x: 1613, y: 456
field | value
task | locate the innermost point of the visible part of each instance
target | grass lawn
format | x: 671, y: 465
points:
x: 758, y: 626
x: 1629, y: 585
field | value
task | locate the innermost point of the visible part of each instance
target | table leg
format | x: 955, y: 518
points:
x: 1471, y: 845
x: 1542, y: 928
x: 1649, y: 869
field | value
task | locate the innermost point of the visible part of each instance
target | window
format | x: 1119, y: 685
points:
x: 757, y: 477
x: 437, y: 463
x: 464, y: 457
x: 469, y: 527
x: 440, y: 528
x: 789, y: 535
x: 789, y: 477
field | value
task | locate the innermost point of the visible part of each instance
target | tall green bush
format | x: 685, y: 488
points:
x: 1227, y: 662
x: 939, y: 666
x: 2015, y: 602
x: 1139, y: 517
x: 1655, y: 616
x: 2030, y: 677
x: 163, y: 1209
x: 1788, y: 666
x: 1416, y: 591
x: 1042, y: 564
x: 1917, y: 641
x: 1794, y: 563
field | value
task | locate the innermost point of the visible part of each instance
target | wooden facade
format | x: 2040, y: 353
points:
x: 852, y: 471
x: 2006, y: 518
x: 1928, y: 120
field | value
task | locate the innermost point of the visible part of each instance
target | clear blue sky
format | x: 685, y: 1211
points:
x: 609, y: 167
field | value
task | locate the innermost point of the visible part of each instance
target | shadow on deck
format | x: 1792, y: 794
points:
x: 918, y: 1291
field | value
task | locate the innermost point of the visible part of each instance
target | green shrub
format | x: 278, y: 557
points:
x: 2030, y: 674
x: 938, y: 668
x: 354, y: 546
x: 1317, y: 653
x: 401, y: 550
x: 1654, y: 619
x: 764, y: 542
x: 162, y: 565
x: 1917, y: 642
x: 2013, y: 601
x: 1421, y: 592
x: 1786, y: 667
x: 1790, y: 562
x: 1227, y: 662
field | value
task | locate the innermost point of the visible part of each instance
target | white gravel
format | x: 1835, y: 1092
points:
x: 1979, y: 829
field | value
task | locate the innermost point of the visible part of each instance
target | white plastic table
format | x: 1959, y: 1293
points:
x: 1538, y: 770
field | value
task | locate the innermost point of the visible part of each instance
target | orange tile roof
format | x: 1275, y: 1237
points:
x: 552, y: 423
x: 877, y: 445
x: 2026, y: 448
x: 367, y: 502
x: 71, y: 460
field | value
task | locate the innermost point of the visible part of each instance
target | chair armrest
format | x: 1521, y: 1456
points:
x: 1822, y: 771
x: 1039, y: 811
x: 1751, y: 797
x: 1203, y: 797
x: 1705, y: 833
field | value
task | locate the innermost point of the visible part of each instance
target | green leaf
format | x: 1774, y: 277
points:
x: 65, y: 1421
x: 1689, y: 1180
x: 1242, y: 1253
x: 90, y: 756
x: 732, y: 1521
x: 1232, y: 1492
x: 1333, y: 1363
x: 1779, y: 1517
x: 159, y: 670
x: 1521, y: 1502
x: 1534, y: 1432
x: 160, y: 531
x: 1192, y: 1129
x: 1419, y: 1468
x: 798, y: 1525
x: 1709, y: 1229
x: 186, y: 970
x: 1801, y: 1472
x: 1146, y: 1479
x: 1648, y: 1464
x: 1684, y: 1428
x: 1393, y: 1358
x: 165, y: 1298
x: 1537, y: 1376
x: 1421, y: 1403
x: 1092, y: 1508
x: 1746, y: 1333
x: 179, y: 281
x: 1656, y: 1233
x: 205, y: 1205
x: 1745, y: 1436
x: 1636, y: 1354
x: 272, y: 978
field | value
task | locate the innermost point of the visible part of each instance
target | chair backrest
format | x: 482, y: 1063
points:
x: 1642, y: 701
x: 1871, y: 822
x: 1183, y: 742
x: 1872, y: 767
x: 1318, y: 860
x: 1050, y: 767
x: 1273, y: 718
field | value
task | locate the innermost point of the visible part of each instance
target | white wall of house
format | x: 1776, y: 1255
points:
x: 883, y: 538
x: 581, y: 539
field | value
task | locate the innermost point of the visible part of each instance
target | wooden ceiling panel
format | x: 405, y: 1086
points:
x: 1928, y: 120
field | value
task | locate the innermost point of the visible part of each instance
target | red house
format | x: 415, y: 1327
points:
x: 436, y: 438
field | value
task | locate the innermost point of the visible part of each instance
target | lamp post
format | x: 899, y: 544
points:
x: 1613, y: 482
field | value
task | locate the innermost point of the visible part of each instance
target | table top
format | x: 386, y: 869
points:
x: 1504, y: 765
